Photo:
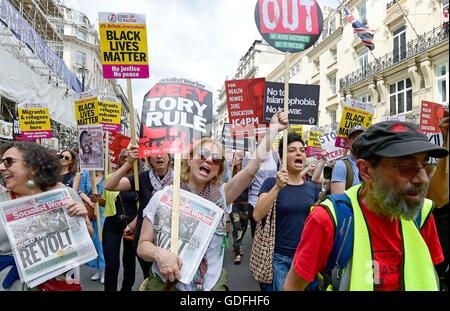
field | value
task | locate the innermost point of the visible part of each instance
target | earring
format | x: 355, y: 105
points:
x: 30, y: 184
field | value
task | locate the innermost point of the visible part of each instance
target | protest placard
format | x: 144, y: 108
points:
x: 355, y: 113
x: 87, y: 109
x: 303, y: 102
x: 327, y: 141
x: 109, y: 111
x: 314, y: 147
x: 245, y: 101
x: 297, y: 129
x: 6, y: 130
x: 117, y: 143
x: 123, y: 45
x: 176, y: 112
x: 430, y: 116
x: 34, y: 121
x: 289, y: 26
x: 90, y: 140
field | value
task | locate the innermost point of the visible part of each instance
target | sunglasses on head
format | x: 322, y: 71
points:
x: 8, y: 161
x: 64, y: 157
x: 204, y: 154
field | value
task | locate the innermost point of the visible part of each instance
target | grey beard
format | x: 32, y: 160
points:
x: 392, y: 203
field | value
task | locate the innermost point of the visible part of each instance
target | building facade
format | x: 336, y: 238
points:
x: 408, y: 65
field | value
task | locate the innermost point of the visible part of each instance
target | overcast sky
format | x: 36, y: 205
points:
x: 201, y: 40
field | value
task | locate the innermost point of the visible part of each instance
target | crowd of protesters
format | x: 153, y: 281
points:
x: 397, y: 198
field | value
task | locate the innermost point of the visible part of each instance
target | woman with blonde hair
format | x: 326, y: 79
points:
x: 201, y: 174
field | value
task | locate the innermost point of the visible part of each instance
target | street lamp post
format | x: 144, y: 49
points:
x: 82, y: 70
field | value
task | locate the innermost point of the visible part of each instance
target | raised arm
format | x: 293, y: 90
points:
x: 241, y: 180
x: 118, y: 180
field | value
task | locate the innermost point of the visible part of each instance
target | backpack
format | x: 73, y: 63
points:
x: 328, y: 173
x: 342, y: 250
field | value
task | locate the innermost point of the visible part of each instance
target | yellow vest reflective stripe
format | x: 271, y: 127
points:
x: 417, y: 272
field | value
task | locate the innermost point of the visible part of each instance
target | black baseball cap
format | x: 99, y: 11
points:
x: 390, y: 139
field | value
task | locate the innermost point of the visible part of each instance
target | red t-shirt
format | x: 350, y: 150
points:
x: 312, y: 252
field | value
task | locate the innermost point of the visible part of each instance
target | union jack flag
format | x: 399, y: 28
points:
x: 364, y: 33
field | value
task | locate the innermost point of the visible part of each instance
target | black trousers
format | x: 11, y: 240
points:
x: 112, y: 238
x: 252, y: 221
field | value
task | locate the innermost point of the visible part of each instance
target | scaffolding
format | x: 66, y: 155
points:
x: 38, y: 13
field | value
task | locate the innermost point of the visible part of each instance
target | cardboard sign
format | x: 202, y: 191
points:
x: 245, y: 101
x: 231, y: 142
x: 430, y: 116
x: 303, y: 102
x: 87, y: 111
x: 175, y: 113
x: 109, y: 111
x: 297, y: 129
x: 327, y: 141
x: 355, y: 113
x: 90, y: 139
x: 34, y: 121
x: 117, y: 142
x: 123, y: 45
x: 289, y: 25
x: 314, y: 147
x: 6, y: 130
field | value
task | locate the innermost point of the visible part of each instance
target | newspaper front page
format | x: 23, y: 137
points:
x: 198, y: 221
x: 45, y: 240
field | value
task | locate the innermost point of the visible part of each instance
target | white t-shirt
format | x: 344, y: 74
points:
x: 214, y: 254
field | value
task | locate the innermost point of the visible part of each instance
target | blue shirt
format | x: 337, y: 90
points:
x: 293, y: 206
x: 340, y: 172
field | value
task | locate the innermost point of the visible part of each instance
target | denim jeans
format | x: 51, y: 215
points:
x: 281, y: 265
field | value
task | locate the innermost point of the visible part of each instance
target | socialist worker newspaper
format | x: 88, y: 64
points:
x: 44, y: 239
x: 198, y: 221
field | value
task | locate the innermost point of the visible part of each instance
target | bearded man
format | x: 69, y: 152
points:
x: 390, y: 250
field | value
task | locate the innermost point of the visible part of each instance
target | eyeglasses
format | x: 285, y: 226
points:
x: 8, y: 161
x: 64, y: 157
x: 411, y: 170
x: 204, y: 154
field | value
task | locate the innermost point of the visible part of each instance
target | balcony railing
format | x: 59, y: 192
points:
x: 390, y: 4
x: 414, y: 47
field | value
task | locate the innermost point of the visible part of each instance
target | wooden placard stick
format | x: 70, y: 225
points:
x: 96, y: 208
x: 106, y: 153
x: 175, y: 204
x: 286, y: 106
x: 133, y: 132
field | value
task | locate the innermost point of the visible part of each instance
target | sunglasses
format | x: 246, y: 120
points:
x: 204, y: 154
x: 411, y: 170
x: 64, y: 157
x: 8, y: 161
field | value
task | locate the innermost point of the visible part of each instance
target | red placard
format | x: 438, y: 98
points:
x: 299, y: 17
x: 117, y: 143
x: 430, y: 115
x: 245, y: 101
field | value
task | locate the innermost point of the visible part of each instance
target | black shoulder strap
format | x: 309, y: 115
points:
x: 350, y: 174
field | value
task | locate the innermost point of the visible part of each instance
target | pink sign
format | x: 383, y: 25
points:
x: 126, y: 71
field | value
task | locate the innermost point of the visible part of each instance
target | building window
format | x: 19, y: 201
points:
x: 362, y: 12
x: 82, y: 35
x: 316, y: 66
x: 333, y: 116
x: 442, y: 83
x: 59, y: 29
x: 59, y: 50
x: 399, y: 44
x: 363, y: 59
x: 81, y: 58
x: 332, y: 84
x: 400, y: 97
x: 333, y: 55
x: 365, y: 99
